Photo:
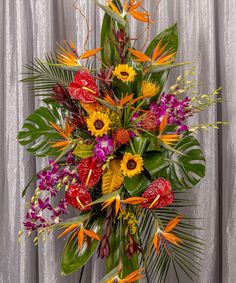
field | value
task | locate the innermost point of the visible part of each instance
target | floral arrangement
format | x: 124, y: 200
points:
x: 122, y: 155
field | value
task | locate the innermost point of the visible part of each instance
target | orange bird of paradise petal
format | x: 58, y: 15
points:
x: 141, y: 57
x: 134, y: 276
x: 80, y: 234
x: 89, y: 53
x: 134, y: 200
x: 167, y: 236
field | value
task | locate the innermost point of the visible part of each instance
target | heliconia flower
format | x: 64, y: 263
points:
x: 130, y: 7
x: 78, y: 196
x: 161, y: 237
x: 103, y: 148
x: 80, y: 232
x: 122, y: 136
x: 68, y: 56
x: 84, y: 87
x: 160, y: 56
x: 125, y: 73
x: 159, y: 194
x: 98, y: 124
x: 131, y: 164
x: 132, y: 277
x: 90, y: 171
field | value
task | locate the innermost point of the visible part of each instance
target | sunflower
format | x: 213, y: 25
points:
x: 131, y: 165
x: 149, y: 88
x: 98, y: 124
x: 124, y: 73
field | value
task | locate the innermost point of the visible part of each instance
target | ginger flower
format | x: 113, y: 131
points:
x: 80, y: 232
x: 125, y: 73
x: 131, y: 164
x: 149, y: 89
x: 130, y: 7
x: 98, y: 124
x: 164, y: 237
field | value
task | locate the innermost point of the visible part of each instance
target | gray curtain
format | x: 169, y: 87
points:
x: 29, y: 28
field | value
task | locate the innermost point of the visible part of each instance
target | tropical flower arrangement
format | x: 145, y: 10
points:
x: 122, y: 156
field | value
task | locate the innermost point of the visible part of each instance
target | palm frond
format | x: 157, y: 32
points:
x: 186, y: 258
x: 41, y: 76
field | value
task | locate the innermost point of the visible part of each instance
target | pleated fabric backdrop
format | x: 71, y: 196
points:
x: 29, y: 28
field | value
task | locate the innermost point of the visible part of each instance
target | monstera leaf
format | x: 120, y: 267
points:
x: 169, y: 37
x: 37, y: 133
x: 72, y: 258
x: 187, y: 169
x: 113, y: 178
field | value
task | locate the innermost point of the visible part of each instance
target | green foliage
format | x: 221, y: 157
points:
x: 118, y: 244
x: 37, y: 133
x: 73, y: 258
x: 185, y: 170
x: 136, y: 185
x: 169, y: 36
x: 184, y: 258
x: 42, y: 76
x: 83, y: 150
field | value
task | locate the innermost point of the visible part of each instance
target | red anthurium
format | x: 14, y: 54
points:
x: 84, y: 87
x: 90, y: 171
x: 158, y: 194
x: 78, y: 196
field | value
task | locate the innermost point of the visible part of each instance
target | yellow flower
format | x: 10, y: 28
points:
x: 98, y: 124
x: 131, y: 165
x: 124, y: 73
x: 149, y: 89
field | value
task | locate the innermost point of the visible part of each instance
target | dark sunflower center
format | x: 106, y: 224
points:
x: 124, y: 74
x: 131, y: 164
x: 98, y: 125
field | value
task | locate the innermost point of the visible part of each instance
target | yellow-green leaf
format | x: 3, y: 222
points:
x: 83, y: 150
x: 113, y: 178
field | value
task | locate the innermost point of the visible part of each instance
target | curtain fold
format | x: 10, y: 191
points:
x: 29, y: 28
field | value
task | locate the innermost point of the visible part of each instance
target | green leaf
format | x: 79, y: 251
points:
x: 160, y: 68
x: 136, y: 86
x: 111, y: 274
x: 154, y: 163
x: 37, y: 133
x: 72, y: 258
x: 106, y: 197
x: 120, y: 88
x: 187, y: 169
x: 82, y: 218
x: 169, y: 36
x: 42, y: 76
x: 136, y: 185
x: 84, y: 150
x: 118, y: 253
x: 112, y: 14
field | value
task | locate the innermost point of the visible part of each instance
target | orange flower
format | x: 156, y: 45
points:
x: 80, y: 232
x: 132, y: 277
x: 169, y: 139
x: 130, y: 7
x: 161, y: 237
x: 160, y: 55
x: 118, y: 201
x: 122, y: 136
x: 65, y: 133
x: 68, y: 56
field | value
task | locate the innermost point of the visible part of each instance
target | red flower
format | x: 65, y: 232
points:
x: 158, y: 194
x: 90, y: 171
x: 84, y: 87
x: 79, y: 197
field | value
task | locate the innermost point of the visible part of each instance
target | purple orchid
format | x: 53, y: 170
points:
x: 178, y: 110
x: 103, y: 148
